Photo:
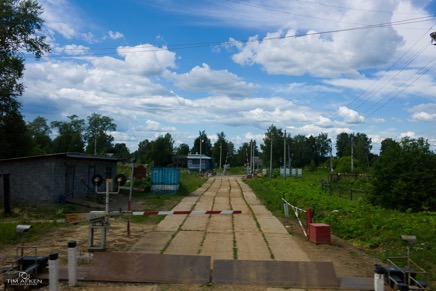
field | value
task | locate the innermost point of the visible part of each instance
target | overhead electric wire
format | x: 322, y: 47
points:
x: 356, y: 9
x: 289, y: 13
x: 394, y: 76
x: 221, y: 43
x: 373, y: 92
x: 423, y: 72
x: 320, y: 4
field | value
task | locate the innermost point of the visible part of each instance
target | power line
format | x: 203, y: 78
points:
x: 423, y: 72
x: 395, y: 75
x: 288, y: 13
x: 357, y: 9
x: 230, y: 42
x: 373, y: 92
x: 318, y: 4
x: 381, y: 76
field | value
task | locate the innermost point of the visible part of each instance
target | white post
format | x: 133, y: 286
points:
x: 129, y: 203
x: 53, y: 268
x: 379, y: 281
x: 108, y: 184
x: 200, y: 155
x: 286, y: 208
x: 72, y: 263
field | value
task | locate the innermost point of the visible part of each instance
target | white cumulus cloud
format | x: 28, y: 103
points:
x: 350, y: 116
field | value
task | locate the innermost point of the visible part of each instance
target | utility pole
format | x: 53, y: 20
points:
x: 221, y: 153
x: 270, y: 158
x: 253, y: 154
x: 284, y: 155
x: 201, y: 141
x: 289, y: 159
x: 95, y: 142
x: 352, y: 154
x: 331, y: 159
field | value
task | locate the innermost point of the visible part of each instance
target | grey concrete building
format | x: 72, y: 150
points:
x: 51, y: 178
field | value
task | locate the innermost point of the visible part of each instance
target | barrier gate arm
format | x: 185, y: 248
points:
x: 95, y: 215
x: 297, y: 212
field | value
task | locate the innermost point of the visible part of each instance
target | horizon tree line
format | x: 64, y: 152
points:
x: 92, y: 136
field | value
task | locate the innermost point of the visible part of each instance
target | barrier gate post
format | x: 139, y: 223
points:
x: 309, y: 216
x: 72, y: 263
x: 53, y: 269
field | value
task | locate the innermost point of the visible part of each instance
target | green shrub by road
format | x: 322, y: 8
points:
x: 374, y: 228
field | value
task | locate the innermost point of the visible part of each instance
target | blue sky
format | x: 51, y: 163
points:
x: 237, y: 67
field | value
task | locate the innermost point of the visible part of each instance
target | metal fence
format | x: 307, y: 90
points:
x: 343, y: 191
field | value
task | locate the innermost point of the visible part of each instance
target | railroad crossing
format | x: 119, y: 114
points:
x: 250, y: 248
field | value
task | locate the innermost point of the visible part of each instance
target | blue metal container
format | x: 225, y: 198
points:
x: 165, y: 179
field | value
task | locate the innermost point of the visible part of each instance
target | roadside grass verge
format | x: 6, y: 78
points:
x: 373, y: 228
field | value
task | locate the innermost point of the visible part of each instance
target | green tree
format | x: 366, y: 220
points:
x: 276, y: 136
x: 362, y: 149
x: 158, y: 152
x: 299, y: 152
x: 206, y: 145
x: 143, y: 152
x: 244, y: 152
x: 360, y: 143
x: 323, y: 143
x: 182, y: 150
x: 15, y: 141
x: 180, y: 154
x: 310, y: 151
x: 70, y: 135
x: 405, y: 176
x: 96, y: 137
x: 40, y: 132
x: 162, y: 150
x: 19, y: 24
x: 343, y: 145
x: 120, y: 150
x: 343, y: 165
x: 223, y: 149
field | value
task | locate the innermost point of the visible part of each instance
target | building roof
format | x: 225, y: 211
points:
x: 65, y: 155
x: 197, y: 157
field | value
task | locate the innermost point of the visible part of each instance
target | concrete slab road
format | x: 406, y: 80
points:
x: 255, y: 234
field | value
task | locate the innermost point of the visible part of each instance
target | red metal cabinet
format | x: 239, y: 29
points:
x: 319, y: 233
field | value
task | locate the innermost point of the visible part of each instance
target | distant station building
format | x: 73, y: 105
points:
x: 197, y: 162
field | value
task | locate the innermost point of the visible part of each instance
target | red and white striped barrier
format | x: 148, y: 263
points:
x: 95, y: 215
x: 297, y: 212
x: 226, y: 212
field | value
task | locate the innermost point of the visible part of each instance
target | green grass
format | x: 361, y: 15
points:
x: 374, y: 228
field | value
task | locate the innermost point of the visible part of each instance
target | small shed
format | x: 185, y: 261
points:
x: 197, y: 162
x: 51, y: 178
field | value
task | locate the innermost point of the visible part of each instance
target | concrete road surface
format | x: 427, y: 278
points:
x: 253, y: 235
